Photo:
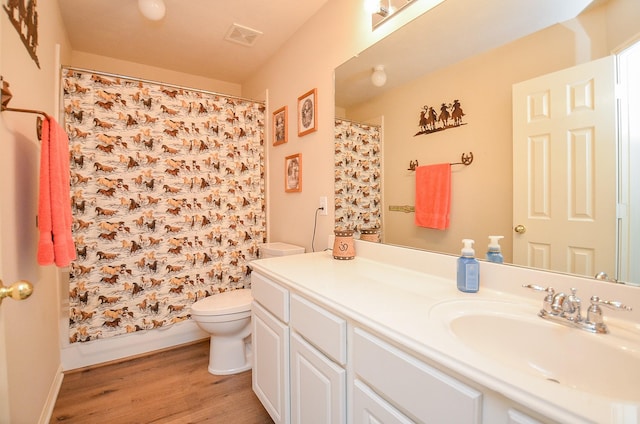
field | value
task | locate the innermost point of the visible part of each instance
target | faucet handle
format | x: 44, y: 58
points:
x: 613, y: 304
x: 535, y: 287
x: 548, y: 299
x: 594, y: 313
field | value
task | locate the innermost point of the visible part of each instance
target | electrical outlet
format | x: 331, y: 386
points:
x: 323, y: 205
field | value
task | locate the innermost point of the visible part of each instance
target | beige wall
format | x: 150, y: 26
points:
x: 29, y: 348
x: 337, y: 32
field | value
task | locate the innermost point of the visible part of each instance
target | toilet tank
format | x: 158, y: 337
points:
x: 271, y: 250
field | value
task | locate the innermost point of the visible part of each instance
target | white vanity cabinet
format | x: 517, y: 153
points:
x: 270, y: 332
x: 315, y: 365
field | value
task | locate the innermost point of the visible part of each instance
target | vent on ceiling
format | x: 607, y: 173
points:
x: 242, y: 35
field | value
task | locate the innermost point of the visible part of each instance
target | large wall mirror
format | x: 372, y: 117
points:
x: 475, y: 53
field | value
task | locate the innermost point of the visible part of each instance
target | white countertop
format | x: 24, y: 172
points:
x: 380, y: 290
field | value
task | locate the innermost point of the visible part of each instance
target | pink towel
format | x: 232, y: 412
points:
x: 56, y: 243
x: 433, y: 196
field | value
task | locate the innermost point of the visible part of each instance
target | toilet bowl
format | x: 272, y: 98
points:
x: 227, y: 318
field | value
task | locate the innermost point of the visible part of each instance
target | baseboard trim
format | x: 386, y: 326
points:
x: 80, y: 355
x: 47, y: 410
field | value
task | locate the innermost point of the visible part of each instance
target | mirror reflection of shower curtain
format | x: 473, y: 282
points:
x: 358, y: 175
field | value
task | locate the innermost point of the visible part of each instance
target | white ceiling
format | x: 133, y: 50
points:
x: 190, y: 38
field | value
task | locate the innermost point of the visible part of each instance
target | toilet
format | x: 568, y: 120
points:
x: 227, y: 318
x: 273, y: 250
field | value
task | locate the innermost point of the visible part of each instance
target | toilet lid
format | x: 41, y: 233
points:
x: 224, y: 303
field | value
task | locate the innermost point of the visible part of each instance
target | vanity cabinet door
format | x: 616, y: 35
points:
x: 270, y: 375
x: 369, y: 408
x: 318, y: 386
x: 419, y: 390
x: 517, y: 417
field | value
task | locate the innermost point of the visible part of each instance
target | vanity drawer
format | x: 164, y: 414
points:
x: 326, y: 331
x: 272, y: 296
x: 415, y: 388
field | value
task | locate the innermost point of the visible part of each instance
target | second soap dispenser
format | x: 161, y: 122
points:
x: 494, y: 254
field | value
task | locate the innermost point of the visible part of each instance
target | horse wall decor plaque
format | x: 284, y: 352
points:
x: 450, y: 116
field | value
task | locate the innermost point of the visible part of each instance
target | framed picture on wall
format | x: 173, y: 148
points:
x: 307, y: 116
x: 293, y: 173
x: 279, y: 126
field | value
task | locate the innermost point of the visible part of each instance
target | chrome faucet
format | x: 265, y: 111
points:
x: 566, y: 309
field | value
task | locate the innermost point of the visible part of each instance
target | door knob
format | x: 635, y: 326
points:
x: 603, y: 276
x: 18, y: 291
x: 520, y: 229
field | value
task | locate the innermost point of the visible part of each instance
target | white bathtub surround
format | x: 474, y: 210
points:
x: 404, y: 296
x: 79, y: 355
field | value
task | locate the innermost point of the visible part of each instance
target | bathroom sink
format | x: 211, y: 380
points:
x: 515, y: 337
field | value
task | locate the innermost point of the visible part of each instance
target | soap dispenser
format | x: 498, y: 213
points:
x: 494, y: 254
x: 468, y: 269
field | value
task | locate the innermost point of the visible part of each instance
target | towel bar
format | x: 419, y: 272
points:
x: 403, y: 208
x: 5, y: 97
x: 464, y: 160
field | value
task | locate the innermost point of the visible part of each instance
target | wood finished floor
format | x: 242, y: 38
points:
x: 171, y: 386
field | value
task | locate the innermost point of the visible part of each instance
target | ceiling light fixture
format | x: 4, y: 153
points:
x: 379, y: 76
x: 378, y: 7
x: 153, y: 10
x: 384, y: 12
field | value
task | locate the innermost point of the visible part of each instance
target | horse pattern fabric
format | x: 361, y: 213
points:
x: 167, y: 192
x: 357, y: 176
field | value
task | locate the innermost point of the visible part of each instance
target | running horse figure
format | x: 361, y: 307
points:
x: 457, y: 113
x: 444, y: 115
x: 428, y: 119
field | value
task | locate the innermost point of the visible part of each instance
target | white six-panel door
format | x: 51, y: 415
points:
x: 564, y: 173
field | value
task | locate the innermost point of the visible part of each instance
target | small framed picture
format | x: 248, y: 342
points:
x: 293, y: 173
x: 307, y: 117
x: 279, y: 126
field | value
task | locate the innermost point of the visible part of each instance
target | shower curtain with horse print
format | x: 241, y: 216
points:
x: 167, y: 194
x: 357, y: 175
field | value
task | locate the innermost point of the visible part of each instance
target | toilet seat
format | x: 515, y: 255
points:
x: 225, y: 303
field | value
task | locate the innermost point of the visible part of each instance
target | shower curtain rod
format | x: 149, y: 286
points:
x: 358, y: 122
x: 146, y: 81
